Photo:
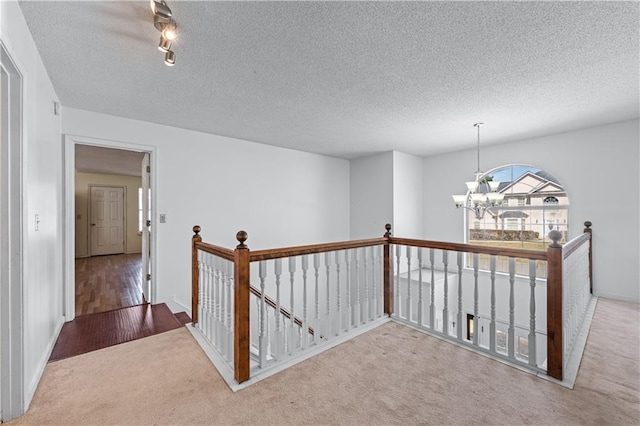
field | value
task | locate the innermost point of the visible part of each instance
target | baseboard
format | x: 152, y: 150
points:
x: 35, y: 380
x: 605, y: 295
x: 176, y: 306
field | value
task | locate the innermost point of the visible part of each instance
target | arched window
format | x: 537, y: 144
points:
x: 534, y: 203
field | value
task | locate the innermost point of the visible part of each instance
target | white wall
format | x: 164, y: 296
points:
x: 42, y: 189
x: 408, y: 217
x: 281, y: 197
x: 600, y: 171
x: 386, y: 188
x: 371, y: 183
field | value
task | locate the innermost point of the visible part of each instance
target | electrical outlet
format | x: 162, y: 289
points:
x: 163, y: 218
x: 37, y: 222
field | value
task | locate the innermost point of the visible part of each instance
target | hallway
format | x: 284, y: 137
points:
x: 105, y: 283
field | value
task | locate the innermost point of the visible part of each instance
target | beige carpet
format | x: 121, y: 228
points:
x: 391, y: 375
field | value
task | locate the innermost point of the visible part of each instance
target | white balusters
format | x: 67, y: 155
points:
x: 293, y: 332
x: 229, y: 321
x: 532, y: 313
x: 356, y: 304
x: 398, y: 296
x: 338, y: 316
x: 262, y: 342
x: 327, y: 321
x: 365, y: 297
x: 492, y: 324
x: 445, y: 309
x: 408, y: 301
x: 459, y: 319
x: 277, y: 264
x: 420, y: 289
x: 305, y: 313
x: 511, y: 333
x: 432, y: 304
x: 316, y: 268
x: 476, y: 330
x: 347, y: 260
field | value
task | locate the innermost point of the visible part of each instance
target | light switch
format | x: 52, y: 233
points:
x: 163, y: 218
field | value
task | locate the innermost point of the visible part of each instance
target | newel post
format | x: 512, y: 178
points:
x: 195, y: 274
x: 388, y: 272
x: 555, y: 346
x: 589, y: 231
x: 241, y: 338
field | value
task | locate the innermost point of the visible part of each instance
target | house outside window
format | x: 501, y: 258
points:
x: 535, y: 203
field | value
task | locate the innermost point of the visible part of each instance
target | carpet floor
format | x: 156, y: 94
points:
x: 390, y: 375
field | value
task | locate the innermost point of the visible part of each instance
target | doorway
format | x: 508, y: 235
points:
x: 104, y: 253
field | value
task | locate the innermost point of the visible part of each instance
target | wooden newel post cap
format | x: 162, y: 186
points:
x: 196, y: 230
x: 242, y: 236
x: 388, y: 228
x: 555, y: 236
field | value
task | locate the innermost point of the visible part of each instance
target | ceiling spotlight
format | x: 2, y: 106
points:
x: 167, y: 26
x: 165, y: 45
x: 170, y: 31
x: 160, y: 9
x: 170, y: 58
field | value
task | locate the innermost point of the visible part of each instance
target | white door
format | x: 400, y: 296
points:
x: 146, y: 230
x: 107, y: 220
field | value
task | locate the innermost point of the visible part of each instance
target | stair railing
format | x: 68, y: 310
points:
x: 353, y: 283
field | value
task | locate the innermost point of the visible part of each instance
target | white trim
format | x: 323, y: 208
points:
x: 70, y: 141
x: 257, y: 374
x: 12, y: 305
x: 42, y: 363
x: 177, y: 306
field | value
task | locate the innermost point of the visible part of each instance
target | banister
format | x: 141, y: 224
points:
x: 313, y: 248
x: 572, y: 245
x: 222, y: 252
x: 470, y: 248
x: 242, y: 256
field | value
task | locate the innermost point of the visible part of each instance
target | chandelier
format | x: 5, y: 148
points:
x: 482, y: 192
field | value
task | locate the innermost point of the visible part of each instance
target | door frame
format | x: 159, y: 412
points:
x: 70, y: 142
x: 12, y: 308
x: 124, y: 215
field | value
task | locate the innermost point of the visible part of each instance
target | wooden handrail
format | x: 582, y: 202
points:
x: 470, y: 248
x: 283, y: 311
x: 222, y: 252
x: 242, y: 257
x: 572, y: 245
x: 313, y: 248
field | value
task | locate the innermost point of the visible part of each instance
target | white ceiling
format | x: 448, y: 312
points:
x: 349, y: 79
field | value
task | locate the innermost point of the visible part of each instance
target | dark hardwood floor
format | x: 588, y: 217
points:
x: 110, y: 308
x: 91, y: 332
x: 105, y: 283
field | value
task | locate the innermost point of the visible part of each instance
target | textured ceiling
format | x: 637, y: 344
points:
x: 350, y: 78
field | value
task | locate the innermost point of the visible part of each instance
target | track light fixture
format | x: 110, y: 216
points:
x: 163, y: 21
x: 165, y: 45
x: 170, y: 58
